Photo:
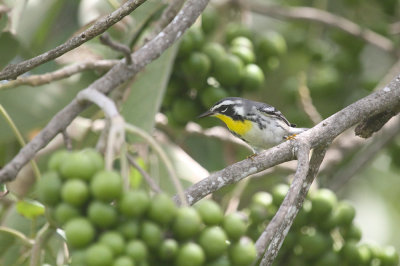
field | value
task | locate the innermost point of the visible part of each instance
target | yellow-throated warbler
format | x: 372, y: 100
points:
x: 258, y: 124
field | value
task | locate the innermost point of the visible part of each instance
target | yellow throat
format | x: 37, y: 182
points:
x: 237, y: 126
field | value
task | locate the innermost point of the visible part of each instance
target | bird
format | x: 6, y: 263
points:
x: 258, y: 124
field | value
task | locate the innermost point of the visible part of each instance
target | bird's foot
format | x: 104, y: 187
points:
x: 252, y: 156
x: 291, y: 137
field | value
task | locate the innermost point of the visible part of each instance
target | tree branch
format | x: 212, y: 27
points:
x: 321, y: 134
x: 65, y: 72
x: 106, y: 40
x: 14, y: 70
x: 279, y: 226
x: 365, y: 155
x: 326, y: 18
x: 116, y: 76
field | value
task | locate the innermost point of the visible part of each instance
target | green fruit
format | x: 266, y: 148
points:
x: 210, y: 95
x: 79, y: 232
x: 123, y: 261
x: 242, y: 252
x: 114, y: 241
x: 350, y: 253
x: 102, y: 214
x: 78, y: 165
x: 65, y: 212
x: 262, y: 198
x: 209, y: 19
x: 344, y: 213
x: 242, y: 42
x: 48, y: 188
x: 389, y: 257
x: 162, y: 209
x: 99, y: 255
x: 129, y: 229
x: 330, y: 258
x: 190, y: 253
x: 187, y: 223
x: 197, y: 67
x: 253, y: 77
x: 314, y: 244
x: 168, y: 249
x: 324, y: 78
x: 95, y: 157
x: 134, y: 203
x: 186, y: 45
x: 351, y: 232
x: 234, y: 225
x: 258, y: 213
x: 184, y: 110
x: 245, y: 54
x: 197, y: 36
x: 137, y: 250
x: 366, y: 255
x: 106, y: 186
x: 214, y: 51
x: 151, y: 234
x: 229, y: 70
x: 210, y: 212
x: 221, y: 261
x: 75, y: 192
x: 56, y: 159
x: 323, y: 201
x: 78, y: 258
x: 234, y: 30
x: 271, y: 44
x: 278, y: 193
x: 213, y: 240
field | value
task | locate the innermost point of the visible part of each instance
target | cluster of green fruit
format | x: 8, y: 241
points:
x: 323, y: 233
x: 206, y: 71
x: 105, y: 224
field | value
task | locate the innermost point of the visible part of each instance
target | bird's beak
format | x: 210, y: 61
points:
x: 208, y: 113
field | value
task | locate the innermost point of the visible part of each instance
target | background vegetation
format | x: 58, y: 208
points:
x: 309, y: 59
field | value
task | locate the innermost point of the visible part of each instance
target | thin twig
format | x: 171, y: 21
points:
x: 306, y: 100
x: 14, y: 70
x: 113, y: 78
x: 116, y: 132
x: 20, y: 138
x: 27, y: 241
x: 236, y: 194
x: 326, y: 18
x: 164, y: 158
x: 67, y: 139
x: 40, y: 239
x: 279, y: 226
x: 65, y: 72
x: 106, y: 40
x: 153, y: 185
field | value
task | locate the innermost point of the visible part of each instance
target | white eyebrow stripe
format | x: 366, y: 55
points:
x: 227, y: 102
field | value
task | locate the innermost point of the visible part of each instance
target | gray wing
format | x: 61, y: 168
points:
x: 272, y: 111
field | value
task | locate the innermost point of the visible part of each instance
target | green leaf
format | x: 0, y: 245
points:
x: 9, y: 47
x: 3, y: 21
x: 30, y: 209
x: 147, y: 92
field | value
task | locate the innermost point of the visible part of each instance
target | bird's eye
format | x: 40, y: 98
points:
x: 224, y: 110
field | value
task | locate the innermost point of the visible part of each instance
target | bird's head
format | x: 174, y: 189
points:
x: 231, y: 107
